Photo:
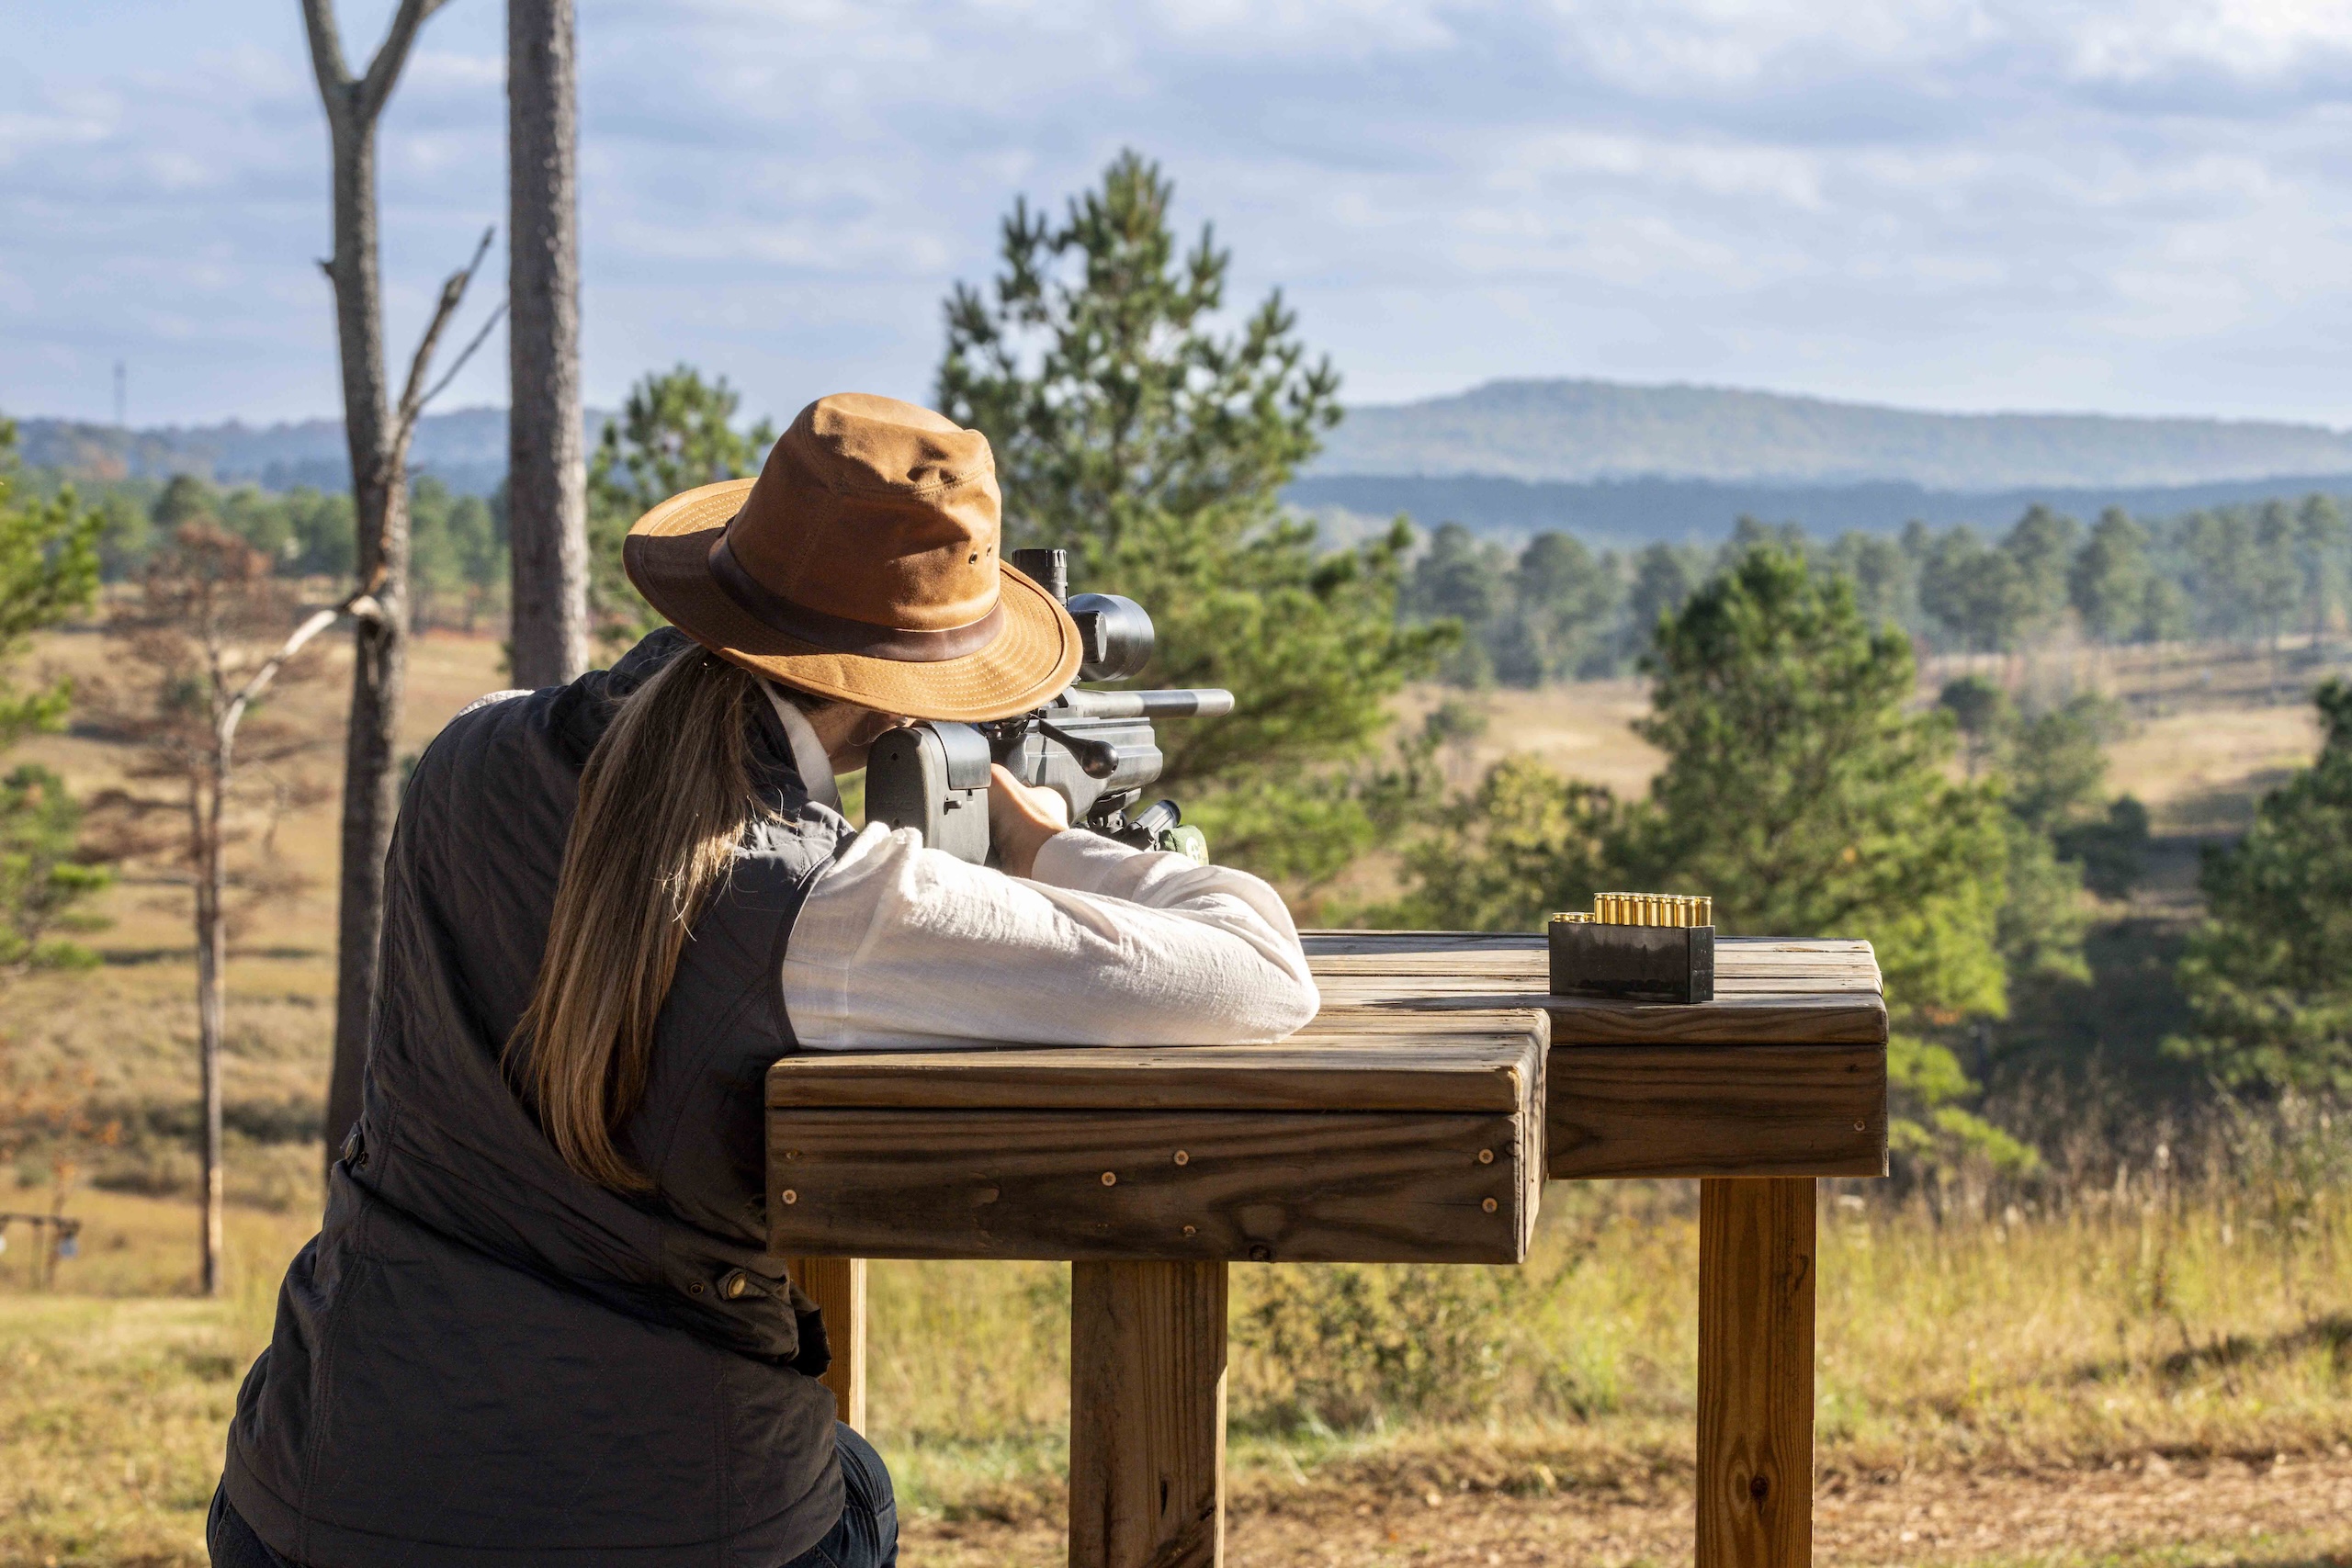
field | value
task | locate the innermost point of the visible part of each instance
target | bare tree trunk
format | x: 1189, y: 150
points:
x: 380, y: 495
x: 547, y: 505
x: 212, y: 942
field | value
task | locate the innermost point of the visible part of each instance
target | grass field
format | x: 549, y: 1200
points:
x: 2159, y: 1374
x: 2135, y: 1344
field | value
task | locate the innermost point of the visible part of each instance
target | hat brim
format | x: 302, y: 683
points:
x: 667, y: 556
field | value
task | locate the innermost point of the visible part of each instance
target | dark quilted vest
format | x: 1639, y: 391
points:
x: 482, y: 1358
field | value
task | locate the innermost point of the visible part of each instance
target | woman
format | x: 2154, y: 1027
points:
x: 539, y: 1325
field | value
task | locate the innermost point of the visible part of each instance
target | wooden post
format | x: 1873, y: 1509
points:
x: 838, y: 1287
x: 1755, y: 1283
x: 1146, y: 1419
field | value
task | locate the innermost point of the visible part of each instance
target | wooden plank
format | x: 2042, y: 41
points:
x: 1147, y: 1427
x: 1262, y: 1186
x: 1397, y: 1062
x: 1756, y: 1317
x: 838, y: 1287
x: 1852, y: 1017
x: 1452, y: 952
x: 1741, y: 1110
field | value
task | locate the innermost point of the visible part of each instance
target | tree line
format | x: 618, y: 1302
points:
x: 2257, y: 574
x: 457, y: 544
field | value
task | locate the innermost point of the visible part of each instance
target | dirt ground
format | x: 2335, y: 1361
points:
x: 2275, y: 1512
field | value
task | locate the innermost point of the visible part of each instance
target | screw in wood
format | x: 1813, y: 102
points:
x: 789, y: 1196
x: 1110, y: 1178
x: 792, y: 1154
x: 1861, y: 1126
x: 1183, y: 1158
x: 1488, y: 1206
x: 1190, y: 1230
x: 1485, y: 1156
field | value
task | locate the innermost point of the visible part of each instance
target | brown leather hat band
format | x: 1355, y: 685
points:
x: 840, y: 635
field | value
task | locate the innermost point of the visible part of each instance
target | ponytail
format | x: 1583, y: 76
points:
x: 664, y: 800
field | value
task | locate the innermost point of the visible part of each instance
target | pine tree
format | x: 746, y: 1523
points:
x: 1885, y: 576
x: 1665, y: 576
x: 1802, y: 792
x: 1804, y: 795
x: 48, y: 570
x: 2040, y: 544
x: 1130, y: 431
x: 1564, y: 599
x: 2268, y: 975
x: 1979, y: 595
x: 44, y: 875
x: 676, y: 432
x: 2108, y: 582
x: 1465, y: 579
x: 2320, y: 536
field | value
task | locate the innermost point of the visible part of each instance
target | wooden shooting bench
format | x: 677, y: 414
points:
x: 1414, y: 1120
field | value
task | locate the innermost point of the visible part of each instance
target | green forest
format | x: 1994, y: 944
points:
x: 1555, y: 610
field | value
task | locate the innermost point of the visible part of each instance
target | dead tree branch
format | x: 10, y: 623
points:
x: 415, y: 395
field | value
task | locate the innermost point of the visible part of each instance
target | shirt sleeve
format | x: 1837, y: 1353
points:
x: 902, y: 946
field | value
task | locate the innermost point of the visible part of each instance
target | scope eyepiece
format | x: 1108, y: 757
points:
x: 1115, y: 636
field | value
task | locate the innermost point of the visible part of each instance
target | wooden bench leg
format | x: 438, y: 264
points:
x: 1147, y: 1417
x: 838, y: 1287
x: 1756, y: 1280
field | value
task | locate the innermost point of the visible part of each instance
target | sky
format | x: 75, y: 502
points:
x: 2133, y: 207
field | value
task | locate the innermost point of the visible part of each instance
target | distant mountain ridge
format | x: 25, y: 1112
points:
x: 466, y: 448
x: 1613, y: 461
x: 1632, y: 513
x: 1580, y: 431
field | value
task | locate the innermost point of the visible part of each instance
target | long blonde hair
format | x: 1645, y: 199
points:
x: 664, y: 800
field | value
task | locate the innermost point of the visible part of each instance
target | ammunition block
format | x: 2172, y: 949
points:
x: 1649, y: 963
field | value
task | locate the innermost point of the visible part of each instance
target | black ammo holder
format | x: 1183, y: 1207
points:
x: 1645, y: 964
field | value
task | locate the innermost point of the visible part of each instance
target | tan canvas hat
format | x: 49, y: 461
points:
x: 861, y: 564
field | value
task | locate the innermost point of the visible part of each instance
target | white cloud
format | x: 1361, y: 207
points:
x: 2127, y: 203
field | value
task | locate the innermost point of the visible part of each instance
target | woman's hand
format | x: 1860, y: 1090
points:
x: 1021, y: 819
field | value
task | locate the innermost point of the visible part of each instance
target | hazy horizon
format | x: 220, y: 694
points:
x: 494, y: 404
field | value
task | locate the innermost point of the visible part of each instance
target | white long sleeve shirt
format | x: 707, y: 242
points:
x: 902, y: 946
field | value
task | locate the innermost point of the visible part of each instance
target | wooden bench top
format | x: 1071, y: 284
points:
x: 1414, y: 1120
x: 1767, y: 990
x: 1348, y: 1059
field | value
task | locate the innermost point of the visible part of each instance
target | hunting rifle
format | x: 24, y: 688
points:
x: 1096, y: 749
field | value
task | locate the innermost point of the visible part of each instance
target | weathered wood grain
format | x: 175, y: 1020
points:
x: 1755, y: 1320
x: 1742, y: 1110
x: 1767, y: 990
x: 1147, y: 1429
x: 1351, y: 1061
x: 1853, y: 1016
x: 838, y: 1287
x: 1262, y: 1186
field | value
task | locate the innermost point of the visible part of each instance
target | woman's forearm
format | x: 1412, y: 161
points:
x: 903, y: 946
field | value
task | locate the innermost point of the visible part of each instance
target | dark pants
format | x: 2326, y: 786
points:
x: 866, y: 1536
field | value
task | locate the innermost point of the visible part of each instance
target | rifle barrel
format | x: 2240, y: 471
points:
x: 1200, y: 702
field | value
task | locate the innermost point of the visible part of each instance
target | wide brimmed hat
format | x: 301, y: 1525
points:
x: 862, y: 564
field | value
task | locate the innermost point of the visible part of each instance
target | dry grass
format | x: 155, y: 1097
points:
x: 2123, y: 1349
